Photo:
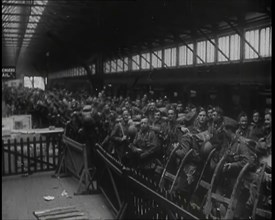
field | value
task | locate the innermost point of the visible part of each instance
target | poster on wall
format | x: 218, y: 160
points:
x: 21, y: 122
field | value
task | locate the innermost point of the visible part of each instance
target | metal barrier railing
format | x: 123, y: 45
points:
x: 135, y: 195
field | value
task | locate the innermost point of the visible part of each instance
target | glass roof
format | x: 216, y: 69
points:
x: 14, y: 22
x: 34, y: 18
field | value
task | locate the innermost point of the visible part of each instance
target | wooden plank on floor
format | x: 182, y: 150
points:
x: 62, y: 216
x: 67, y: 213
x: 59, y: 212
x: 52, y: 210
x: 78, y: 218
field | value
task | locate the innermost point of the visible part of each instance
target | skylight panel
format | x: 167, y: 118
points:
x: 10, y: 31
x: 10, y: 1
x: 31, y: 25
x: 38, y: 10
x: 29, y: 31
x: 41, y: 2
x: 34, y: 18
x: 12, y: 35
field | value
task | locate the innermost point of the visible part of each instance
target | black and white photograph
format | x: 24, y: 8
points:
x: 135, y: 109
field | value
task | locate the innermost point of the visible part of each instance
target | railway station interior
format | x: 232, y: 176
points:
x: 136, y: 109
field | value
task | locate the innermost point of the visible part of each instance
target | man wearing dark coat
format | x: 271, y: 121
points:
x: 145, y: 144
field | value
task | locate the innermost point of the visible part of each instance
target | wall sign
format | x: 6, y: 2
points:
x: 8, y: 72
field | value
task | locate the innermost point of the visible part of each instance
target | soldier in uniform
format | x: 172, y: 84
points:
x: 158, y: 125
x: 264, y: 155
x: 145, y: 145
x: 150, y: 111
x: 255, y: 128
x: 238, y: 154
x: 73, y: 127
x: 243, y: 125
x: 119, y: 135
x: 217, y: 137
x: 200, y: 124
x: 178, y: 136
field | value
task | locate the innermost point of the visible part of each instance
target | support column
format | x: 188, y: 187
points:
x: 99, y: 73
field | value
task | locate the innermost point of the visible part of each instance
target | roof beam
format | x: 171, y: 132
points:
x: 21, y: 14
x: 18, y: 22
x: 16, y: 28
x: 22, y: 4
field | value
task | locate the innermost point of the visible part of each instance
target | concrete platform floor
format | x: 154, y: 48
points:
x: 21, y: 196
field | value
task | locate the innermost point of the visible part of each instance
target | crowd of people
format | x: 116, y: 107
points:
x: 49, y: 107
x: 142, y: 133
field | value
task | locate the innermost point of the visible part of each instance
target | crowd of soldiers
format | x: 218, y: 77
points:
x: 142, y: 133
x: 50, y: 107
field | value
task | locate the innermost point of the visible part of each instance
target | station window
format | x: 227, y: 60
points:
x: 119, y: 65
x: 27, y: 81
x: 107, y: 67
x: 186, y: 55
x: 265, y: 42
x: 170, y: 56
x: 223, y: 44
x: 34, y: 82
x: 136, y: 62
x: 157, y: 59
x: 113, y: 66
x: 210, y: 51
x: 93, y: 70
x: 125, y: 64
x: 253, y: 38
x: 145, y: 61
x: 38, y: 82
x: 201, y: 51
x: 235, y: 47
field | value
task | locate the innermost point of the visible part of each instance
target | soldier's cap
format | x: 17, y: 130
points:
x: 230, y: 123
